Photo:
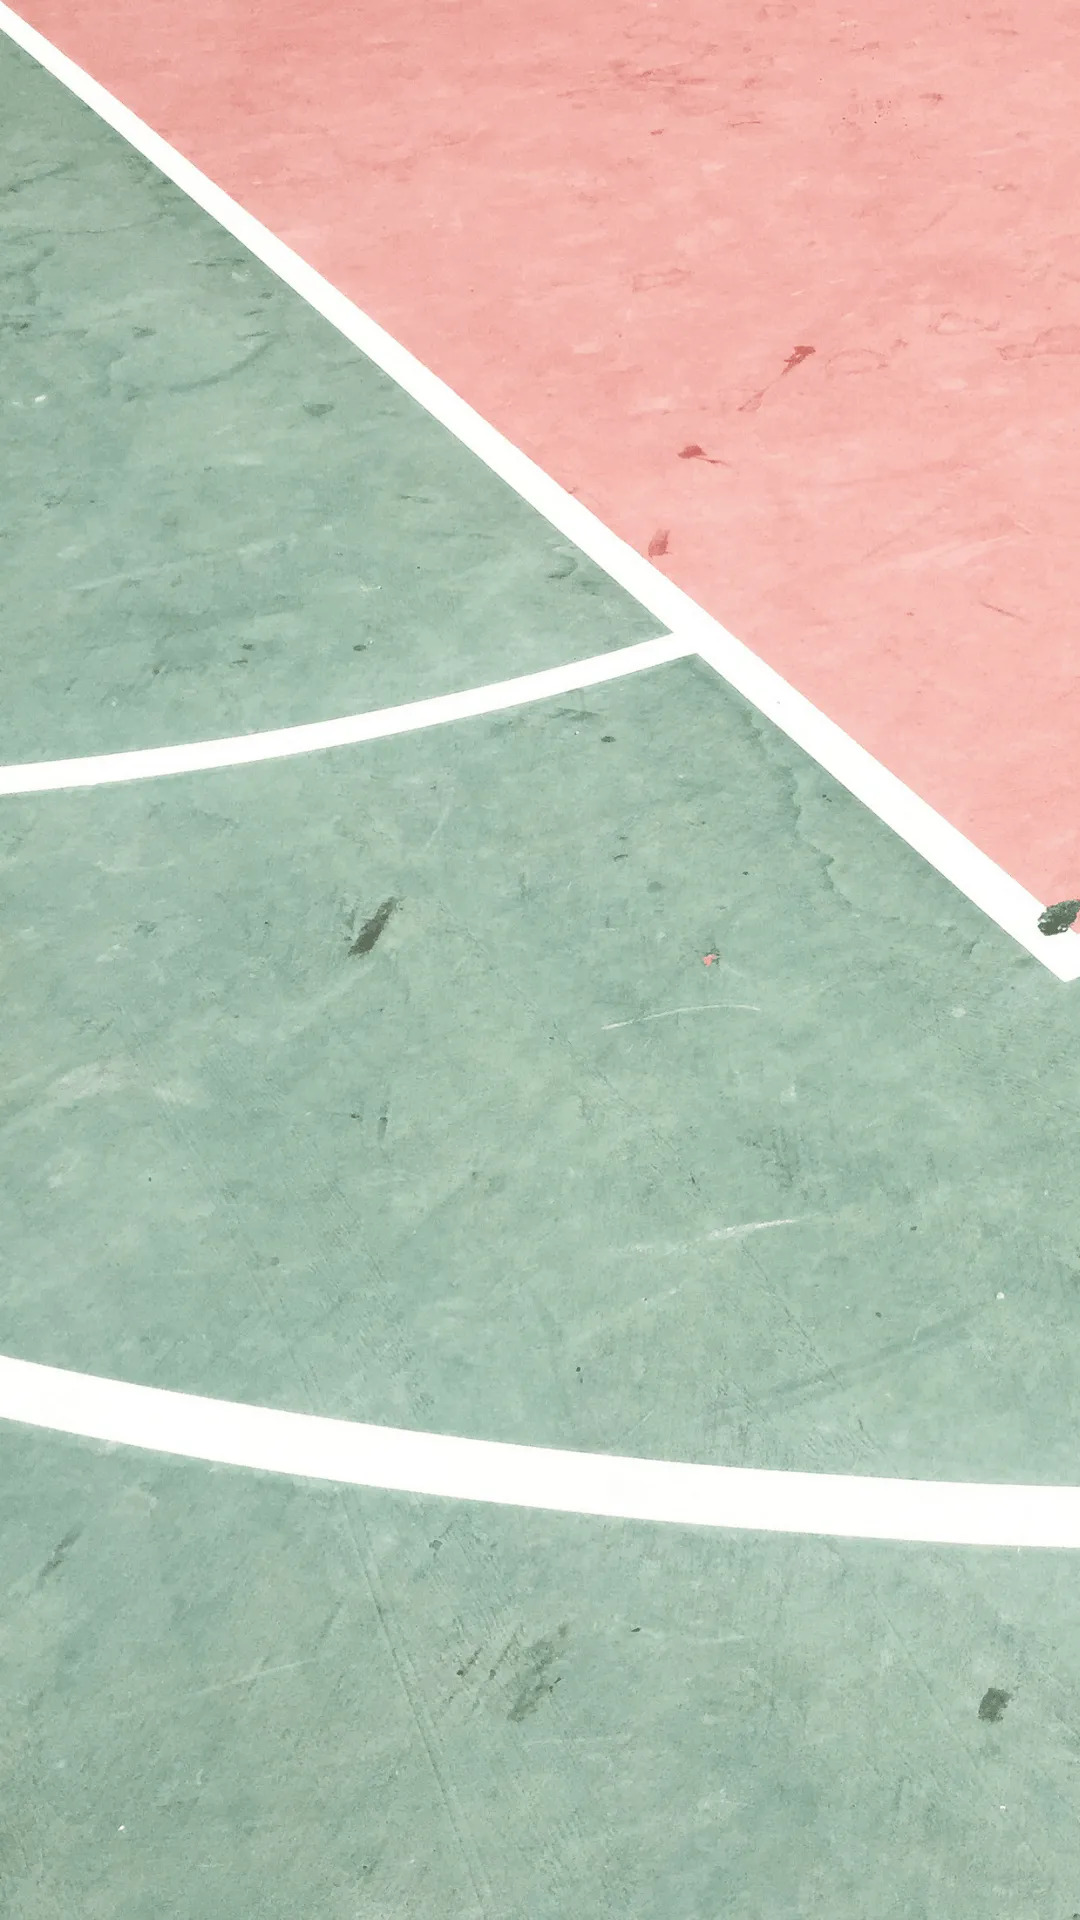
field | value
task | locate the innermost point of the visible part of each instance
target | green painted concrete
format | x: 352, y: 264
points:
x: 220, y: 517
x: 434, y: 1184
x: 465, y: 1180
x: 294, y: 1700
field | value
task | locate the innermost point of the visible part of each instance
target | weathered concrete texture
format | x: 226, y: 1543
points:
x: 485, y: 1176
x: 227, y: 1693
x: 218, y: 515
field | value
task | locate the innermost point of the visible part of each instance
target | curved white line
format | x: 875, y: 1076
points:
x: 199, y: 756
x: 947, y: 1513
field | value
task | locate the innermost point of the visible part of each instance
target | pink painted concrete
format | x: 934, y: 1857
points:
x: 612, y: 228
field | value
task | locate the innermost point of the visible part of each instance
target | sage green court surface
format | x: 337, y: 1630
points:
x: 475, y: 1180
x: 219, y: 517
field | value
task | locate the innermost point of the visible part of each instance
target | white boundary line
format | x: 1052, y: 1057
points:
x: 106, y: 769
x: 754, y: 1499
x: 942, y: 845
x: 999, y: 896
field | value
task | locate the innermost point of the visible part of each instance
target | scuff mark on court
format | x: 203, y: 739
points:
x: 533, y: 1678
x: 794, y: 359
x: 698, y: 453
x: 59, y: 1554
x: 706, y: 1006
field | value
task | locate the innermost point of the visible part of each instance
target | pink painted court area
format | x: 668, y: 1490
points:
x: 788, y: 295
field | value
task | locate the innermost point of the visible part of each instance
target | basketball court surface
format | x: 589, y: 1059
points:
x: 541, y: 1060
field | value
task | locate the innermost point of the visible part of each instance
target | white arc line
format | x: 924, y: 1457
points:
x: 999, y: 896
x: 147, y: 763
x: 392, y: 1459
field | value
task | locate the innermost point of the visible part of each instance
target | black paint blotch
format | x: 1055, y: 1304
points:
x: 372, y: 928
x: 993, y: 1703
x: 317, y: 408
x: 607, y: 739
x: 1059, y: 918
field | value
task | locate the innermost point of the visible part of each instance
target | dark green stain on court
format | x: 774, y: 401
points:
x: 373, y: 928
x: 1060, y: 917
